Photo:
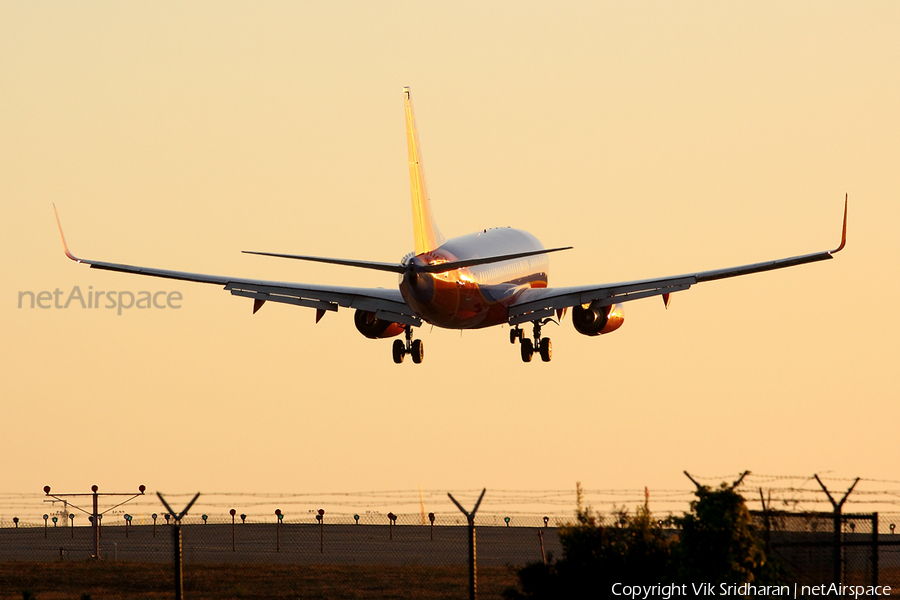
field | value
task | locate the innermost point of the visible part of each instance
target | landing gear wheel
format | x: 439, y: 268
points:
x: 417, y: 351
x: 399, y: 351
x: 514, y: 334
x: 527, y: 350
x: 546, y: 350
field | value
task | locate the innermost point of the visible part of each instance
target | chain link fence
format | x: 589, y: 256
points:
x: 372, y: 556
x: 365, y: 555
x: 822, y: 548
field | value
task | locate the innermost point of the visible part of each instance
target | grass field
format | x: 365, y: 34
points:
x: 151, y: 581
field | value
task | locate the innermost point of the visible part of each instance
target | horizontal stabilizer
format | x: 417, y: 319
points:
x: 461, y: 264
x: 365, y: 264
x: 398, y: 268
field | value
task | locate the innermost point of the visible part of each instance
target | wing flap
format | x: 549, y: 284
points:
x: 319, y: 297
x: 559, y: 298
x: 530, y: 301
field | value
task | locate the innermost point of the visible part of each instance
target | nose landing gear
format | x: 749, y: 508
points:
x: 414, y: 348
x: 540, y: 345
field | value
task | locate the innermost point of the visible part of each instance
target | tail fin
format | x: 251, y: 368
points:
x: 427, y: 235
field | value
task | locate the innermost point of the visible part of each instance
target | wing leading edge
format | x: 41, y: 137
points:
x: 385, y: 303
x: 538, y: 302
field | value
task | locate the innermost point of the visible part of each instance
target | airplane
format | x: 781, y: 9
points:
x: 496, y: 276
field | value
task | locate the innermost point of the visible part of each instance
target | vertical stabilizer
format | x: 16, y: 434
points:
x: 427, y: 235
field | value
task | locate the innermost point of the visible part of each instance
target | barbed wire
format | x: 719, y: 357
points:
x: 794, y: 492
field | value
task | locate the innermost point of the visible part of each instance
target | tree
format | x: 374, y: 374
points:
x: 632, y: 549
x: 718, y: 542
x: 713, y: 543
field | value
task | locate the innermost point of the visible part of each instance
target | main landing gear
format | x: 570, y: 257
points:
x: 540, y: 345
x: 415, y: 348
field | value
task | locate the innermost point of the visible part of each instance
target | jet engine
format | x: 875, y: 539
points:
x: 593, y: 319
x: 374, y: 328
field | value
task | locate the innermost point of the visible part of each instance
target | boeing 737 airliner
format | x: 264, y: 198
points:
x: 492, y: 277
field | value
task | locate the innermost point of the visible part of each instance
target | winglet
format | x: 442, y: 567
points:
x: 65, y: 246
x: 844, y: 230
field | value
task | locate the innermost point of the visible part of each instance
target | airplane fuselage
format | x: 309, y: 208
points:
x: 477, y: 296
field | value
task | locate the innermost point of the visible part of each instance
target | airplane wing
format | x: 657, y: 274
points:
x: 386, y: 304
x: 538, y: 303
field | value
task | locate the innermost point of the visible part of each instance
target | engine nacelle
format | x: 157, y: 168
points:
x: 597, y: 320
x: 374, y: 328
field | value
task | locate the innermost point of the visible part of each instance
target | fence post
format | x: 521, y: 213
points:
x: 95, y: 523
x: 541, y: 538
x: 875, y: 549
x: 176, y: 539
x: 179, y: 557
x: 838, y: 519
x: 473, y: 565
x: 278, y: 530
x: 232, y: 512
